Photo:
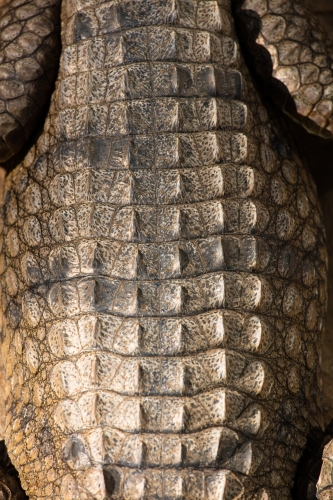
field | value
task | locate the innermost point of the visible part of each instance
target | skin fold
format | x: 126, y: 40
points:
x: 163, y: 270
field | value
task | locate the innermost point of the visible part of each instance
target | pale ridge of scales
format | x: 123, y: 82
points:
x: 151, y: 284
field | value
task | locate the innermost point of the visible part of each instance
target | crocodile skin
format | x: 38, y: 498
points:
x: 163, y: 270
x: 298, y: 55
x: 29, y: 48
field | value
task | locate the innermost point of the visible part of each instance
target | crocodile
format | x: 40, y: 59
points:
x: 163, y: 265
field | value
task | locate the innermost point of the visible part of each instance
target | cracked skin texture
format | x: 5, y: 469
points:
x: 163, y: 270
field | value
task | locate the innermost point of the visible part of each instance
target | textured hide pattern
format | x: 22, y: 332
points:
x: 163, y: 270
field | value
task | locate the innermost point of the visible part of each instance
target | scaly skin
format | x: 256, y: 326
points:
x: 163, y: 270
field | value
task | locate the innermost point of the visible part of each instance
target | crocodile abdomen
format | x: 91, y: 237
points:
x: 164, y: 270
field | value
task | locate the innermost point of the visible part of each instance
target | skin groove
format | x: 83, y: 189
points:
x: 163, y: 270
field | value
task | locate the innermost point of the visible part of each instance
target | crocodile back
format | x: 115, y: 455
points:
x: 163, y: 270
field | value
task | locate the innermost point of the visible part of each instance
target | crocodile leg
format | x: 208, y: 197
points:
x: 30, y: 51
x: 291, y: 52
x: 163, y: 270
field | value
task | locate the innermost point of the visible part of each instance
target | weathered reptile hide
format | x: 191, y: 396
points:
x: 163, y: 270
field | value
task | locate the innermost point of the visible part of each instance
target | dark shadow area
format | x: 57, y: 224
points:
x: 308, y: 469
x: 315, y: 150
x: 15, y: 160
x: 258, y: 60
x: 112, y: 480
x: 9, y: 478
